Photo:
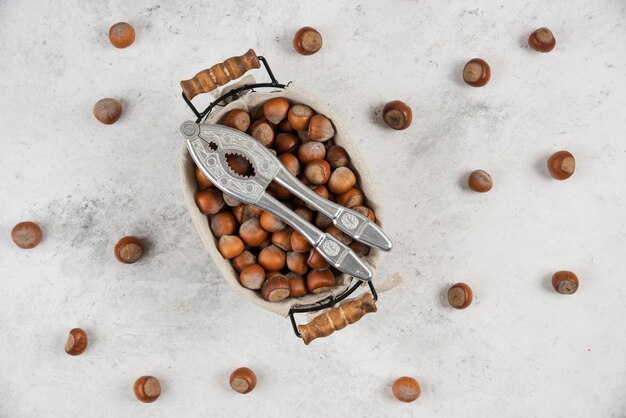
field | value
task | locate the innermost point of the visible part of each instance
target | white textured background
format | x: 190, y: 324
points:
x: 521, y: 350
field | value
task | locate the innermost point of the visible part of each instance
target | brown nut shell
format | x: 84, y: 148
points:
x: 223, y: 223
x: 316, y: 261
x: 275, y: 110
x: 297, y: 262
x: 317, y: 172
x: 286, y: 143
x: 561, y: 165
x: 252, y: 277
x: 237, y: 119
x: 480, y: 181
x: 337, y: 157
x: 272, y: 258
x: 76, y: 342
x: 299, y: 243
x: 107, y: 110
x: 282, y: 239
x: 318, y: 281
x: 406, y: 389
x: 344, y: 238
x: 565, y: 282
x: 476, y: 72
x: 262, y: 131
x: 122, y: 35
x: 202, y: 181
x: 351, y: 198
x: 244, y: 259
x: 460, y: 296
x: 397, y: 115
x: 128, y: 250
x: 341, y: 180
x: 307, y: 41
x: 209, y: 201
x: 542, y: 40
x: 311, y: 151
x: 275, y: 288
x: 297, y: 285
x: 252, y: 233
x: 230, y: 246
x: 365, y: 211
x: 271, y: 223
x: 147, y: 389
x: 299, y: 116
x: 243, y: 380
x: 26, y: 235
x: 291, y: 163
x: 320, y: 128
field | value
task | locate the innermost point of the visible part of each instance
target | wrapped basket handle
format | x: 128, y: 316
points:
x: 220, y: 74
x: 337, y: 318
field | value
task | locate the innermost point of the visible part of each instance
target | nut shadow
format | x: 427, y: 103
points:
x: 456, y: 72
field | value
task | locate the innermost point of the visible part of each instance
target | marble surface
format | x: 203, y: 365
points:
x: 521, y: 350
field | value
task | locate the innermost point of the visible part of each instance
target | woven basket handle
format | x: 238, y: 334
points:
x: 337, y: 318
x: 220, y: 74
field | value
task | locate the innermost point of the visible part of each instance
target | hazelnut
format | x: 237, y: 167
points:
x: 107, y: 111
x: 307, y: 41
x: 359, y: 248
x: 279, y: 192
x: 230, y: 246
x: 299, y: 116
x: 26, y: 235
x: 286, y: 143
x: 297, y: 262
x: 76, y: 342
x: 122, y: 35
x: 128, y: 250
x: 272, y: 273
x: 406, y: 389
x: 476, y: 72
x: 243, y: 380
x: 460, y: 296
x: 351, y: 198
x: 285, y: 127
x: 311, y: 151
x: 337, y: 157
x: 252, y: 277
x: 249, y: 212
x: 397, y: 115
x: 271, y: 223
x: 542, y: 40
x: 299, y: 243
x: 275, y: 288
x: 282, y: 239
x: 321, y: 190
x: 320, y: 128
x: 244, y: 259
x: 317, y: 172
x: 262, y: 131
x: 316, y: 261
x: 480, y: 181
x: 272, y: 258
x: 561, y: 165
x: 275, y: 110
x: 209, y: 201
x: 322, y: 221
x: 237, y: 119
x: 147, y: 389
x: 365, y: 211
x: 297, y: 285
x: 201, y: 179
x: 230, y: 201
x: 318, y: 281
x: 304, y: 213
x: 238, y: 212
x: 341, y: 180
x: 291, y: 163
x: 565, y: 282
x: 223, y: 223
x: 252, y: 233
x: 339, y: 234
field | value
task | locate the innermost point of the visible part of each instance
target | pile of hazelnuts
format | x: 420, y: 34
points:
x: 268, y: 255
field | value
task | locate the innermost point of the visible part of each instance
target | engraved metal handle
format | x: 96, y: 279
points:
x: 337, y: 254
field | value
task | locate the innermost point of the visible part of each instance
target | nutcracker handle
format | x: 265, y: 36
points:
x: 220, y: 74
x: 337, y: 318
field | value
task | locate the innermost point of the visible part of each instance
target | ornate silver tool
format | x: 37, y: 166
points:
x: 209, y: 144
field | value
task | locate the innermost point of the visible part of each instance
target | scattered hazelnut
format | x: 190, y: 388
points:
x: 476, y: 72
x: 128, y: 250
x: 223, y: 223
x: 565, y: 282
x: 230, y: 246
x: 318, y: 281
x: 243, y: 380
x: 341, y: 180
x: 406, y: 389
x: 209, y: 201
x: 122, y: 35
x: 561, y: 165
x: 76, y: 342
x: 252, y: 276
x: 299, y: 116
x: 147, y: 389
x: 252, y: 233
x: 26, y: 235
x: 275, y: 110
x: 107, y: 111
x: 542, y: 40
x: 480, y: 181
x: 297, y: 285
x: 337, y: 157
x: 307, y: 41
x: 272, y: 258
x: 397, y: 115
x: 238, y: 119
x: 320, y: 128
x: 460, y: 296
x: 317, y: 171
x: 275, y: 288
